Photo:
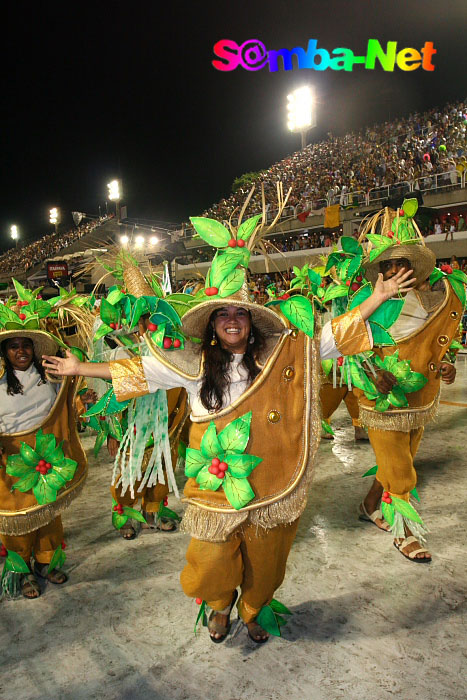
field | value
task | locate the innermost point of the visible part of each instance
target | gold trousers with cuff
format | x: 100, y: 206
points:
x: 395, y: 452
x: 254, y: 561
x: 331, y: 399
x: 41, y: 542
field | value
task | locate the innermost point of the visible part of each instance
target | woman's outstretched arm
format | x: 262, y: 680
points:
x: 71, y: 366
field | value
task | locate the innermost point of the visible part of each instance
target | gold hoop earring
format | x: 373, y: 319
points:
x: 214, y: 339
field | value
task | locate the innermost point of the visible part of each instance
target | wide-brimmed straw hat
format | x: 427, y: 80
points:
x: 407, y: 242
x: 43, y: 342
x: 268, y: 322
x: 422, y: 261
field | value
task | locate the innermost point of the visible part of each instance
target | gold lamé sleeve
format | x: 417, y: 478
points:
x: 350, y: 333
x: 128, y: 378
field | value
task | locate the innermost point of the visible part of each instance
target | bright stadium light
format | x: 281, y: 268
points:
x: 54, y: 217
x: 301, y: 112
x: 115, y: 194
x: 114, y: 191
x: 153, y: 240
x: 14, y: 233
x: 124, y: 240
x: 139, y: 241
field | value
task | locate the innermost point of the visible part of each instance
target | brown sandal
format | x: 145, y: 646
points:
x: 56, y: 576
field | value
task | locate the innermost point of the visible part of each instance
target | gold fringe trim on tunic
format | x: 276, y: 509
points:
x: 22, y: 523
x: 213, y: 526
x: 402, y: 421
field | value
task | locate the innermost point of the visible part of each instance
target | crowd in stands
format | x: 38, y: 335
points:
x: 25, y: 257
x: 409, y: 150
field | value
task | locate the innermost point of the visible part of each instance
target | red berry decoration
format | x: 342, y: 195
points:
x: 285, y: 296
x: 42, y: 463
x: 38, y: 468
x: 152, y: 327
x: 213, y: 470
x: 39, y: 296
x: 3, y: 551
x: 348, y: 283
x: 177, y: 343
x: 113, y: 325
x: 116, y: 508
x: 401, y: 212
x: 63, y: 544
x: 101, y: 417
x: 211, y: 291
x: 323, y: 284
x: 355, y: 286
x: 43, y: 470
x: 166, y: 501
x: 241, y: 243
x: 340, y: 361
x: 134, y: 430
x: 232, y: 243
x: 223, y: 466
x: 390, y: 234
x: 22, y: 316
x: 215, y: 462
x: 167, y: 343
x: 359, y: 278
x: 48, y: 465
x: 446, y: 268
x: 386, y: 498
x: 198, y: 601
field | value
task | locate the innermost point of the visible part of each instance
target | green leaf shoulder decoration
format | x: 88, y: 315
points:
x: 222, y: 461
x: 44, y: 469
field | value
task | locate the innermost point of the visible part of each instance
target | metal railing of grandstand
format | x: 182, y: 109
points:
x: 435, y: 182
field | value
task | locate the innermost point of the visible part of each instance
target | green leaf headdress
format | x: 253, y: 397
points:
x: 226, y: 283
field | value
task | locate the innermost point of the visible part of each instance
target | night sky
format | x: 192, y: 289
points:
x: 128, y: 90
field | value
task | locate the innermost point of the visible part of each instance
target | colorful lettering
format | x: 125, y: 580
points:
x: 252, y: 55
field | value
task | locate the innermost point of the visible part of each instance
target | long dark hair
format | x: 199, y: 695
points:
x: 14, y: 386
x: 216, y: 365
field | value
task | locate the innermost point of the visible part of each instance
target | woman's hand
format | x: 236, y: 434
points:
x: 89, y: 396
x: 112, y: 446
x: 68, y: 366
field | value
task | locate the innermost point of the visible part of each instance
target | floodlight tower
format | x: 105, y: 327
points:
x: 14, y: 233
x: 115, y: 194
x: 301, y: 109
x: 54, y: 217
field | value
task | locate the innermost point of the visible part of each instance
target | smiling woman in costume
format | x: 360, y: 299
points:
x: 43, y: 464
x: 255, y: 426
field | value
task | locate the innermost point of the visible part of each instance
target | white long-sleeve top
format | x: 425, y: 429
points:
x: 24, y: 411
x: 158, y: 376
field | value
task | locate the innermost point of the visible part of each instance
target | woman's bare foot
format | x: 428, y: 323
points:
x: 30, y: 587
x: 256, y: 633
x: 372, y: 503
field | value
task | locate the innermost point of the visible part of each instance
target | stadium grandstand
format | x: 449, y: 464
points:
x: 334, y: 184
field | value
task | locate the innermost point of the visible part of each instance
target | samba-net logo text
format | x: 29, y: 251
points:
x: 252, y: 55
